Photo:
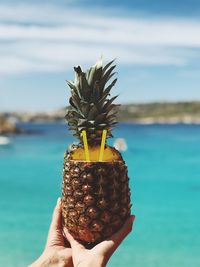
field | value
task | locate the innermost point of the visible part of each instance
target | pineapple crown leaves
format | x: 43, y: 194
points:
x: 91, y: 107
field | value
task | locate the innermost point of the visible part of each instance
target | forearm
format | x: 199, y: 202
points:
x: 40, y: 262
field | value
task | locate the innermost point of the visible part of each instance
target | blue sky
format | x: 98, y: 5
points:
x: 156, y: 43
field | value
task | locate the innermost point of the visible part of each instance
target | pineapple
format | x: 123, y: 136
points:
x: 95, y: 194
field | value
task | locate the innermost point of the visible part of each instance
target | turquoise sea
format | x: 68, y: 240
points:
x: 164, y: 170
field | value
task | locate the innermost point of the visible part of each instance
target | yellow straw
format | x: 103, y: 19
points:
x: 103, y: 141
x: 85, y: 145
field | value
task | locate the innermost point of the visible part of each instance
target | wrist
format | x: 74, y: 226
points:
x: 97, y: 262
x: 40, y: 262
x: 43, y: 261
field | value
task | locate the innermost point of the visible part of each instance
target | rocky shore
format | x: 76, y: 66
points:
x: 161, y: 113
x: 51, y: 116
x: 8, y: 127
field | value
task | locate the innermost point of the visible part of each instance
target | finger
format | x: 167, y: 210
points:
x: 56, y: 218
x: 75, y: 245
x: 55, y: 236
x: 66, y: 242
x: 66, y: 255
x: 108, y: 246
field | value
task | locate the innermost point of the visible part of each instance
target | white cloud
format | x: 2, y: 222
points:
x: 17, y: 65
x: 42, y: 56
x: 113, y: 31
x: 45, y: 38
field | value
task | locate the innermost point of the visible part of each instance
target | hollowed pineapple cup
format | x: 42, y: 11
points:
x: 95, y: 199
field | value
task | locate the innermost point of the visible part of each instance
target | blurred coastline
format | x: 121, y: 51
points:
x: 149, y: 113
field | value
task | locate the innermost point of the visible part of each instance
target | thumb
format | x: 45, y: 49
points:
x: 108, y: 246
x: 75, y: 245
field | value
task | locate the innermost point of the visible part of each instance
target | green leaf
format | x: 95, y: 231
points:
x: 71, y: 85
x: 69, y: 114
x: 80, y: 129
x: 85, y: 88
x: 84, y: 107
x: 95, y: 73
x: 109, y: 135
x: 109, y: 102
x: 106, y: 76
x: 100, y: 118
x: 91, y: 122
x: 78, y: 70
x: 93, y: 113
x: 72, y: 122
x: 77, y: 114
x: 106, y: 92
x: 112, y: 116
x: 72, y: 103
x: 82, y: 83
x: 108, y: 65
x: 72, y: 128
x: 77, y: 102
x: 77, y: 135
x: 91, y: 75
x: 101, y: 102
x: 112, y: 121
x: 110, y: 76
x: 110, y: 109
x: 96, y: 93
x: 88, y: 74
x: 82, y: 122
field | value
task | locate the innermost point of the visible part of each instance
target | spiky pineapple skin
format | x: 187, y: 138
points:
x: 95, y: 199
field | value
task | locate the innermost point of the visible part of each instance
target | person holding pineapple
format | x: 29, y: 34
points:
x: 63, y: 250
x: 95, y: 209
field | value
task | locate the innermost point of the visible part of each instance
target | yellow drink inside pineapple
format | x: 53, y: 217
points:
x: 109, y: 154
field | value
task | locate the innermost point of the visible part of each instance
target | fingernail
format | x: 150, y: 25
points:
x: 59, y: 201
x: 132, y: 218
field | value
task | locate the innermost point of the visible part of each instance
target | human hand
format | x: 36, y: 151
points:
x: 99, y: 255
x: 56, y: 252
